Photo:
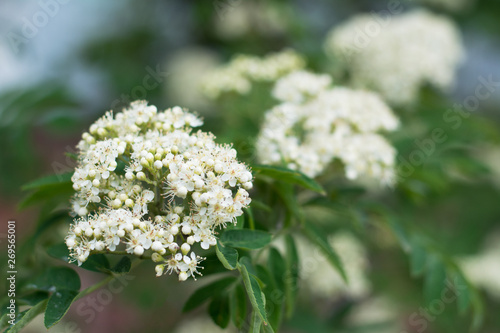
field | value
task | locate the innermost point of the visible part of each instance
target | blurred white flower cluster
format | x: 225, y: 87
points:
x: 322, y: 280
x: 396, y: 56
x: 238, y: 74
x: 154, y: 187
x: 483, y: 269
x: 315, y: 125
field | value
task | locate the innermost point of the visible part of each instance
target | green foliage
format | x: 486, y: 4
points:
x: 203, y: 294
x: 57, y: 306
x: 245, y: 238
x: 289, y: 176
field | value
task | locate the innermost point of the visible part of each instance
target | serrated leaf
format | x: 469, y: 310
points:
x: 57, y: 306
x: 289, y: 176
x: 57, y: 278
x: 255, y: 323
x: 238, y: 306
x: 202, y: 294
x: 25, y: 317
x: 227, y: 256
x: 123, y: 266
x: 292, y: 275
x: 435, y: 277
x: 245, y: 238
x: 254, y: 293
x: 219, y: 310
x: 273, y: 296
x: 319, y: 238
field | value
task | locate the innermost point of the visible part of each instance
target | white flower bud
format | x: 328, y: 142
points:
x: 156, y: 246
x: 138, y: 250
x: 182, y: 192
x: 248, y: 185
x: 89, y: 232
x: 185, y: 248
x: 99, y: 246
x: 158, y: 165
x: 120, y: 233
x: 129, y: 175
x: 116, y: 203
x: 123, y: 197
x: 70, y: 242
x: 82, y: 211
x: 141, y: 175
x: 144, y: 163
x: 174, y: 229
x: 186, y: 230
x: 112, y: 194
x: 129, y: 203
x: 183, y: 276
x: 78, y: 231
x: 190, y: 240
x: 173, y: 247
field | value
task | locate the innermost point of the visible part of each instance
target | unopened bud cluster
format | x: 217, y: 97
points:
x: 147, y: 185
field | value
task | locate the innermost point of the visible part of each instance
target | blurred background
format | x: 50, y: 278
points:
x: 63, y: 63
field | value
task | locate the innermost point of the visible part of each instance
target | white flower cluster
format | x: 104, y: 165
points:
x: 154, y: 188
x: 237, y: 76
x: 398, y: 57
x: 322, y: 280
x: 315, y: 125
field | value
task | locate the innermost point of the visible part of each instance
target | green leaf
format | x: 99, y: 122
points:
x: 287, y: 194
x: 277, y: 267
x: 25, y: 317
x: 33, y: 298
x: 245, y: 238
x: 260, y: 205
x: 95, y: 262
x: 219, y: 310
x: 61, y: 191
x: 289, y: 176
x: 463, y: 294
x: 435, y: 278
x: 238, y: 306
x: 47, y: 181
x: 255, y: 323
x: 292, y: 275
x: 227, y: 256
x: 58, y: 305
x: 123, y: 266
x: 320, y: 239
x: 418, y: 258
x: 254, y: 293
x: 57, y: 278
x: 202, y: 294
x: 273, y: 296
